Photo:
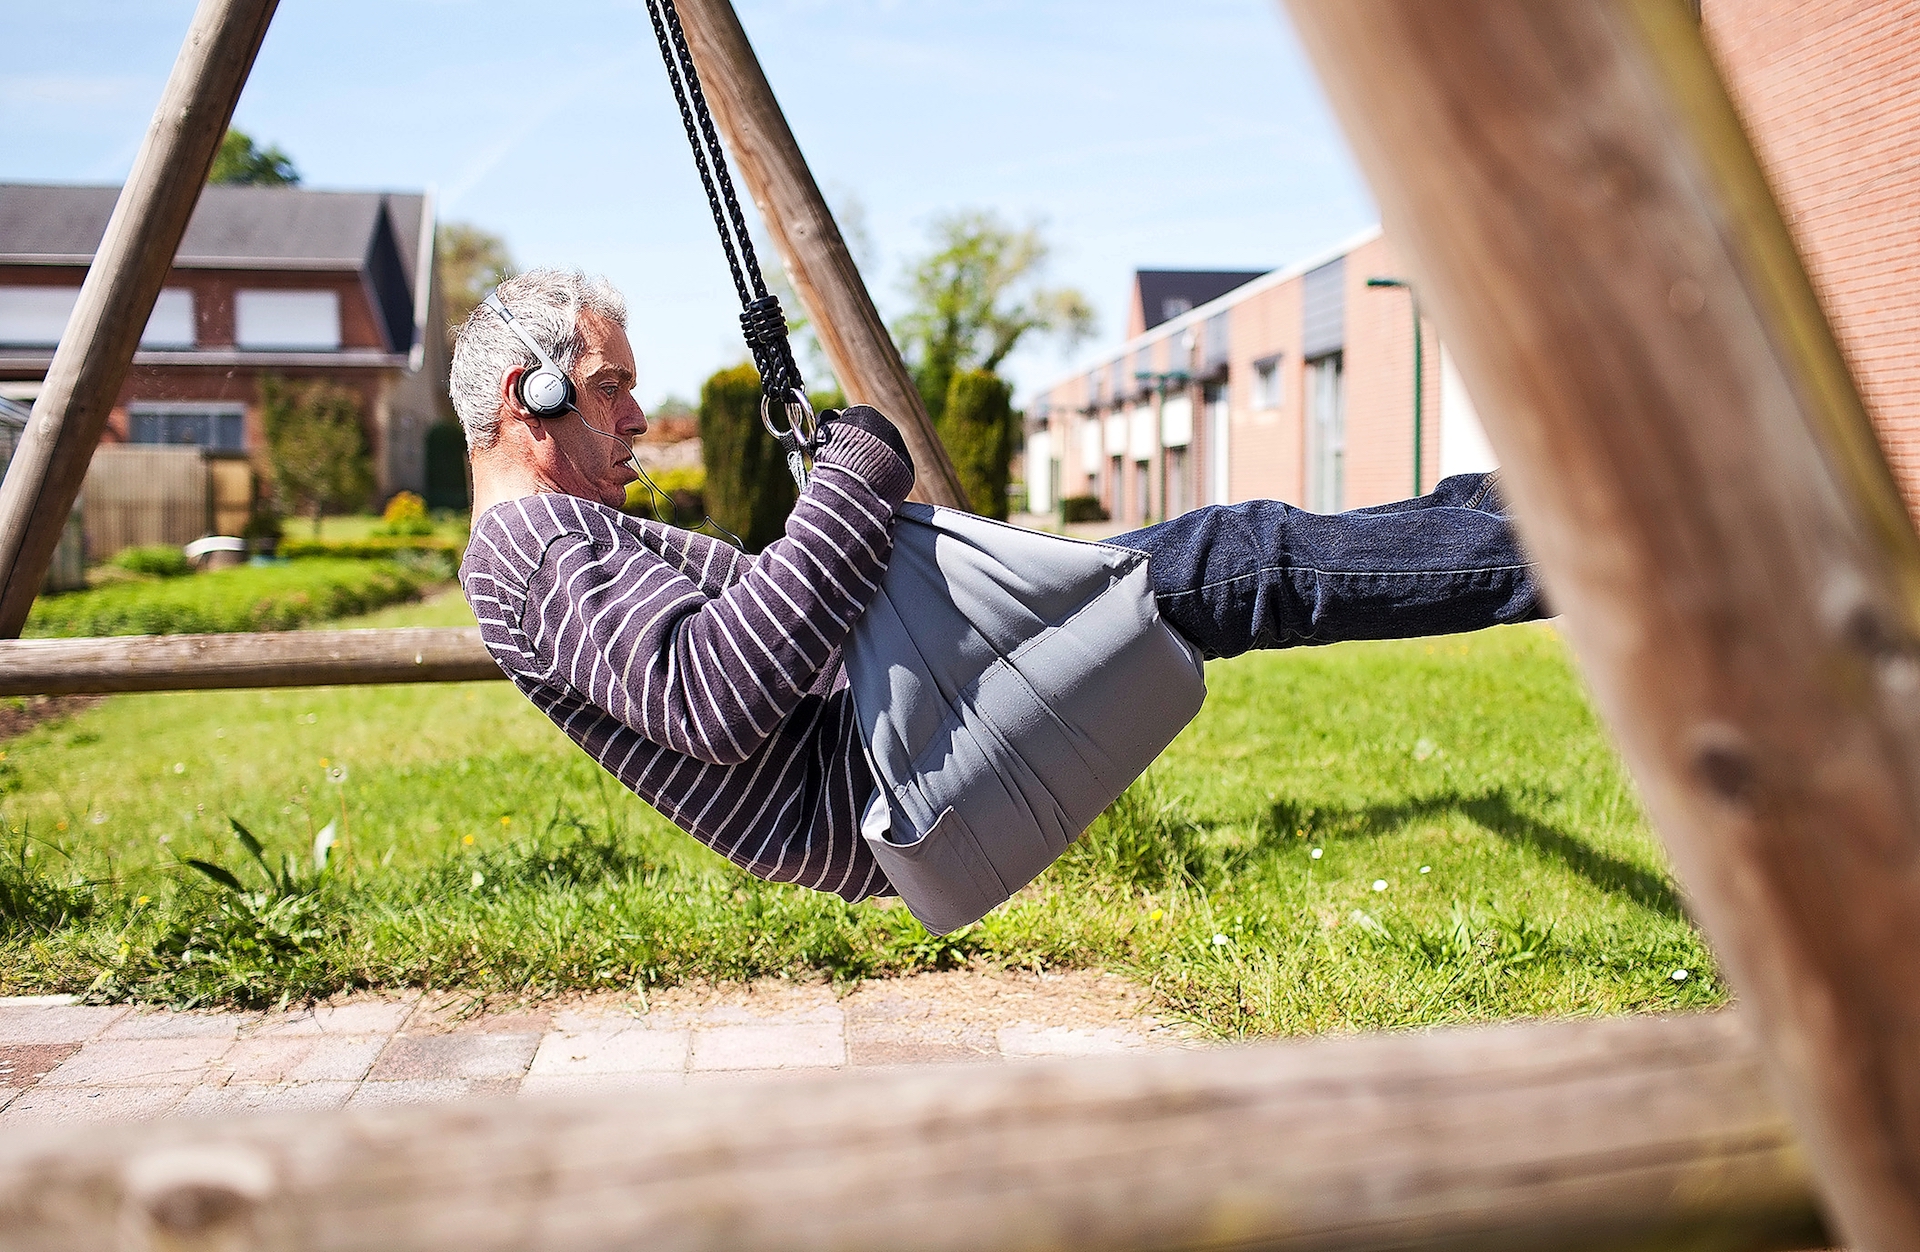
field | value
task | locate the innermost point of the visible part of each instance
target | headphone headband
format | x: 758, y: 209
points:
x: 543, y: 392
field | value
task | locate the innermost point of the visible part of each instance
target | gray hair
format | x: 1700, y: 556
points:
x: 546, y: 303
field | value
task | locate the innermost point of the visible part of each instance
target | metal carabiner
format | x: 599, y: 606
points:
x: 798, y: 439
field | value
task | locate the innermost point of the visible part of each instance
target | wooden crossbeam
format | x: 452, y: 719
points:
x: 1692, y: 465
x: 1582, y: 1135
x: 96, y: 350
x: 298, y: 658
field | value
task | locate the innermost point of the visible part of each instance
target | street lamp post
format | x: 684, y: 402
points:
x: 1418, y: 380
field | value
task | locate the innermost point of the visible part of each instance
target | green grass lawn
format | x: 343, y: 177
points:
x: 1361, y: 836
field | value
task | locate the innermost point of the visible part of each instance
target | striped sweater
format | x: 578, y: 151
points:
x: 707, y: 681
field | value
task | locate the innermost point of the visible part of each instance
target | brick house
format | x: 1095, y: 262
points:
x: 1297, y: 384
x: 340, y: 286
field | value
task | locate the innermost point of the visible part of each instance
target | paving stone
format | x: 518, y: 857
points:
x: 901, y: 1052
x: 380, y: 1093
x: 56, y: 1023
x: 611, y: 1048
x: 60, y: 1106
x: 433, y: 1057
x: 24, y: 1064
x: 357, y: 1017
x: 138, y: 1063
x: 46, y: 1001
x: 1040, y: 1041
x: 252, y: 1097
x: 301, y: 1058
x: 770, y: 1045
x: 160, y: 1024
x: 597, y: 1084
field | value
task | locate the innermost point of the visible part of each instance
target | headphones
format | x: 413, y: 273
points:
x: 542, y: 392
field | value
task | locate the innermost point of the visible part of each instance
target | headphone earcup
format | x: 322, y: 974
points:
x: 545, y: 392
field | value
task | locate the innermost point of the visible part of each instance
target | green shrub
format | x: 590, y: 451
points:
x: 1075, y: 509
x: 245, y: 598
x: 977, y: 428
x: 447, y: 467
x: 372, y: 548
x: 158, y: 559
x: 748, y: 489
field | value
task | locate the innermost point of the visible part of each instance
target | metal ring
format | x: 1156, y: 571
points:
x: 801, y: 424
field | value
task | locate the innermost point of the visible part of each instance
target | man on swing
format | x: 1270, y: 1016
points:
x: 708, y: 681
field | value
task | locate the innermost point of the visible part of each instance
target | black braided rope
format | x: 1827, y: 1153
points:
x: 762, y: 322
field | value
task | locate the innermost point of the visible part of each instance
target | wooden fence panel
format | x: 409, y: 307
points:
x: 138, y: 494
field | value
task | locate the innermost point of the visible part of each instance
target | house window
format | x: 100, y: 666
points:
x: 1174, y: 306
x: 287, y: 319
x: 218, y: 427
x: 1266, y: 383
x: 171, y: 325
x: 34, y: 317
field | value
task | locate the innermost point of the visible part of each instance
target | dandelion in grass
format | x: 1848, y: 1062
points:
x: 1156, y: 915
x: 1221, y: 941
x: 1317, y: 853
x: 338, y: 774
x: 478, y: 879
x: 1679, y: 975
x: 1426, y: 869
x: 1379, y: 884
x: 467, y: 839
x: 179, y: 767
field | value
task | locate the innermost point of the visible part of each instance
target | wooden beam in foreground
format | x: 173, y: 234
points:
x: 1623, y: 1133
x: 1691, y: 463
x: 863, y: 354
x: 117, y: 297
x: 298, y: 658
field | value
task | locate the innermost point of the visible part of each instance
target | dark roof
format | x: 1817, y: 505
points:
x: 375, y: 233
x: 232, y: 227
x: 1166, y: 294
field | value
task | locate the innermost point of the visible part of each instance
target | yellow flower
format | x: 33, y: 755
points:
x: 323, y: 762
x: 506, y: 821
x: 468, y: 839
x: 143, y: 899
x: 1156, y: 915
x: 60, y: 825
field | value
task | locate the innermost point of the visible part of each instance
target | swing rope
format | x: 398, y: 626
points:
x: 762, y: 321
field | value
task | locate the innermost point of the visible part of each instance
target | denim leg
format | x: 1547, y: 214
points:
x: 1267, y: 575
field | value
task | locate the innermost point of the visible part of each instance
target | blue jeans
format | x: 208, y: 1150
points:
x: 1267, y: 575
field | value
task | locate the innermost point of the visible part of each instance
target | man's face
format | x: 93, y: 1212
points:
x: 585, y: 463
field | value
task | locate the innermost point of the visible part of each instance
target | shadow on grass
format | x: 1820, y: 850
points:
x: 1496, y: 812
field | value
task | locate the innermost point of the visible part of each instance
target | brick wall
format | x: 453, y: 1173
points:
x: 1830, y: 93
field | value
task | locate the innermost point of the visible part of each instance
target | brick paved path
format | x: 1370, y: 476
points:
x: 64, y: 1062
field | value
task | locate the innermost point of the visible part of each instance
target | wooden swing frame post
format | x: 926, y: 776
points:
x: 1692, y: 466
x: 1694, y: 469
x: 762, y: 145
x: 116, y: 299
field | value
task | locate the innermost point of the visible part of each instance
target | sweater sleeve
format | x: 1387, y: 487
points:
x: 712, y: 678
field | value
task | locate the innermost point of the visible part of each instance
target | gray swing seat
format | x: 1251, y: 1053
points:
x: 1008, y: 686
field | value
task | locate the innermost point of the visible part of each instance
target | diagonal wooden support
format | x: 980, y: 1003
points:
x: 763, y: 147
x: 117, y: 297
x: 1692, y: 465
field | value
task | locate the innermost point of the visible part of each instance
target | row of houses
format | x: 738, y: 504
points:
x: 1297, y: 384
x: 1300, y: 383
x: 334, y: 286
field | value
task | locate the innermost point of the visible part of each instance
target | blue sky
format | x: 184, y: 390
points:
x: 1188, y: 135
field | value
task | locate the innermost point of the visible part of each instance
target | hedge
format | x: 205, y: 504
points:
x: 244, y: 598
x: 371, y: 548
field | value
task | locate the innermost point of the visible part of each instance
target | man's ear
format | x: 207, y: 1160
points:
x: 510, y: 405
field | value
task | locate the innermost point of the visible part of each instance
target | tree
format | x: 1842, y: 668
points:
x: 317, y: 446
x: 242, y: 163
x: 749, y: 490
x: 977, y: 426
x: 472, y: 263
x: 976, y: 296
